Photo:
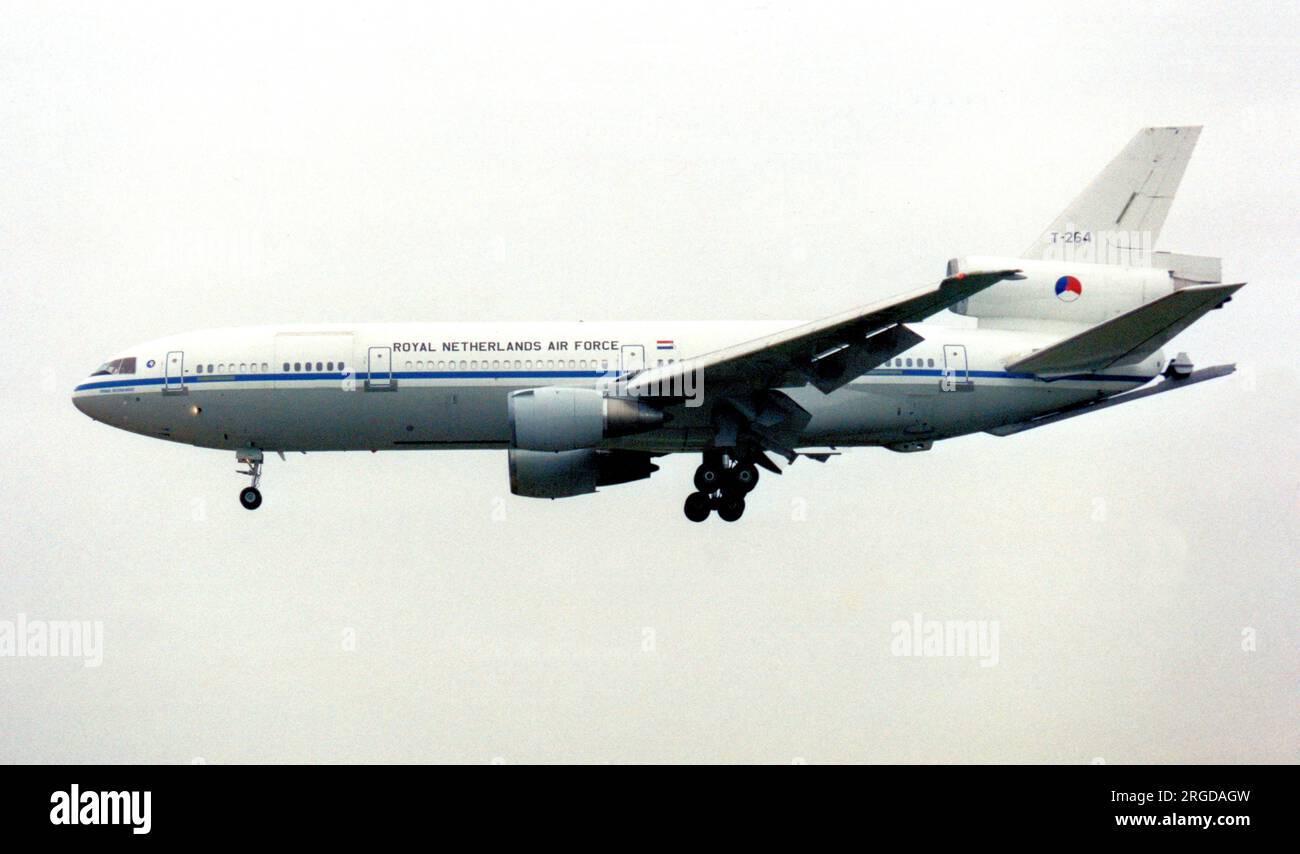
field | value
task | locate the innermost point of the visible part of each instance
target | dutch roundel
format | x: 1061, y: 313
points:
x: 1068, y: 289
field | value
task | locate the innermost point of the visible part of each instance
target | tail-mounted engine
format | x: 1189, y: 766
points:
x: 1065, y: 291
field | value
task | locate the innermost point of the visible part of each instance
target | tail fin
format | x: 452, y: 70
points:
x: 1121, y: 212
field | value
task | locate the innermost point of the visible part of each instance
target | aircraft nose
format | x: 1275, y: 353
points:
x: 82, y: 402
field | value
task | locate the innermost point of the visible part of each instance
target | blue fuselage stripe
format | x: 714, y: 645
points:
x: 205, y: 379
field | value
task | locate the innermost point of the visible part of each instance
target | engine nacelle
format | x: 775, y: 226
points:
x: 1068, y: 292
x: 544, y: 474
x: 565, y: 419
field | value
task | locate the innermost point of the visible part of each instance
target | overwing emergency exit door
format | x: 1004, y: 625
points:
x: 633, y: 356
x: 956, y: 371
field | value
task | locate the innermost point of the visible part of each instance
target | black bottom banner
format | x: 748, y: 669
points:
x: 137, y: 805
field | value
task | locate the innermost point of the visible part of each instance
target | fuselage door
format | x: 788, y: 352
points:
x: 633, y: 358
x: 174, y: 372
x: 956, y: 371
x: 379, y: 369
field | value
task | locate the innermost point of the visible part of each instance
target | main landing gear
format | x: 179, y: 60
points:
x: 723, y: 483
x: 250, y: 497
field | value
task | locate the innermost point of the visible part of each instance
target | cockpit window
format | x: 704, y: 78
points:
x: 117, y: 366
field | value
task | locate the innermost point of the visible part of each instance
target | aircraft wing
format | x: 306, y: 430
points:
x: 827, y: 353
x: 1129, y: 337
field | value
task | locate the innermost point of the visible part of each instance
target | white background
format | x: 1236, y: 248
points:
x: 167, y: 167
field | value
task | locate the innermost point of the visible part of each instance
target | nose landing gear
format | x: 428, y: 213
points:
x: 722, y: 484
x: 250, y: 497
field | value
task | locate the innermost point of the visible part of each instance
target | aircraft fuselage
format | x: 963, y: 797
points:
x: 444, y: 385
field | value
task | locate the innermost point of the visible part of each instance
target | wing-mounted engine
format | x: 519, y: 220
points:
x: 556, y: 418
x: 544, y: 474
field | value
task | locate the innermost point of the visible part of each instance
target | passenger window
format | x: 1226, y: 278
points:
x: 265, y: 367
x: 604, y: 364
x: 496, y: 365
x: 210, y: 367
x: 571, y: 365
x: 243, y: 367
x: 342, y: 367
x: 909, y: 363
x: 930, y: 362
x: 297, y: 366
x: 320, y: 366
x: 329, y: 366
x: 408, y: 366
x: 199, y: 369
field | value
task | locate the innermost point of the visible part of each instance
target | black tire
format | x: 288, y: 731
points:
x: 709, y: 478
x: 250, y: 498
x: 744, y: 477
x: 731, y: 509
x: 697, y: 507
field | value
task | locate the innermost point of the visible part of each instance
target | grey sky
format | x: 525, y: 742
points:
x: 166, y: 168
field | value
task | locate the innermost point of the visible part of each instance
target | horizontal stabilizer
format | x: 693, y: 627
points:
x: 1128, y: 338
x: 1092, y: 406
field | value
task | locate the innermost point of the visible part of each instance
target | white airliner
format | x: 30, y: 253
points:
x: 1074, y: 325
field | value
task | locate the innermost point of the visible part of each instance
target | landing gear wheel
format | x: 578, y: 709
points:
x: 731, y: 509
x: 249, y: 497
x: 744, y: 477
x: 709, y: 477
x: 697, y: 507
